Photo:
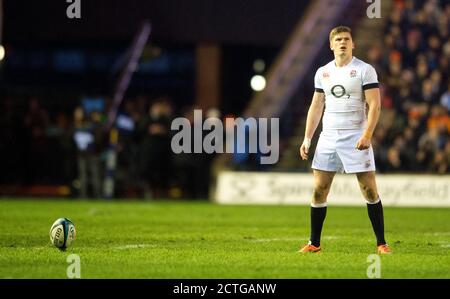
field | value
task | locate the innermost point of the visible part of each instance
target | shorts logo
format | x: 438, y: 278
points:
x: 367, y: 165
x: 353, y: 74
x: 338, y: 91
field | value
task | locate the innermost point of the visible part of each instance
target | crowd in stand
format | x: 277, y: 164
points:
x: 39, y: 146
x: 413, y: 64
x: 42, y: 147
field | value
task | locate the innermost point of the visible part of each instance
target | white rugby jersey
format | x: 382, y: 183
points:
x: 345, y: 104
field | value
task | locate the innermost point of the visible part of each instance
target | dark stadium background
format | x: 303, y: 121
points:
x: 200, y: 54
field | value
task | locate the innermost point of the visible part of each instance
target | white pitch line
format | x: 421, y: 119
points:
x: 439, y: 234
x: 275, y: 239
x: 135, y: 246
x: 92, y: 212
x: 290, y: 239
x: 27, y: 248
x: 331, y: 237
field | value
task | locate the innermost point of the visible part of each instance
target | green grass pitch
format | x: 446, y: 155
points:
x: 202, y: 240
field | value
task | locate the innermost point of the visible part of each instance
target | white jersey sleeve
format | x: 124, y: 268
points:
x: 317, y: 80
x: 369, y: 78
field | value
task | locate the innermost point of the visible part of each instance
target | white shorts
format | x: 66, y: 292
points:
x: 336, y: 151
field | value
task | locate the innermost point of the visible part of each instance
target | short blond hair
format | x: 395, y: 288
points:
x: 335, y: 31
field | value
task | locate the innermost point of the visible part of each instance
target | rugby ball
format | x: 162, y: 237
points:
x: 62, y: 233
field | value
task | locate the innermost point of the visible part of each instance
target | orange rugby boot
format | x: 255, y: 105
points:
x: 384, y: 249
x: 309, y: 248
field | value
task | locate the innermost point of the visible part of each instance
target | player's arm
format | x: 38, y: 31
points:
x: 312, y: 121
x: 373, y: 100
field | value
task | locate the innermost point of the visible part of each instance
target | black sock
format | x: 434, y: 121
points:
x: 376, y: 217
x: 317, y: 218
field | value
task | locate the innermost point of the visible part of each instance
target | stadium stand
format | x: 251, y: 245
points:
x: 412, y: 62
x: 414, y: 65
x: 38, y: 148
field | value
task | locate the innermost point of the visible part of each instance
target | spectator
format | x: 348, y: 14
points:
x: 192, y: 171
x: 155, y: 149
x: 126, y: 173
x: 439, y: 119
x: 445, y: 98
x: 89, y: 142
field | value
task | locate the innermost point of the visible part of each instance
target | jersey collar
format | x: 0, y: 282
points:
x: 340, y: 67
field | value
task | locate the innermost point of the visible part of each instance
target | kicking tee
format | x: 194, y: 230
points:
x: 345, y: 104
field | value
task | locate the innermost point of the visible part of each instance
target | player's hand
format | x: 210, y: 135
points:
x: 363, y: 143
x: 304, y: 148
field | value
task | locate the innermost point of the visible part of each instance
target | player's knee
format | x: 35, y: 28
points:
x: 370, y: 193
x: 320, y: 193
x: 322, y: 187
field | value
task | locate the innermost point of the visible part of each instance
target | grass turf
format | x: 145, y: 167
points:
x: 202, y: 240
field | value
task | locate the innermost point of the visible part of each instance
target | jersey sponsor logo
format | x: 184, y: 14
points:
x: 326, y: 75
x: 338, y: 91
x: 353, y: 74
